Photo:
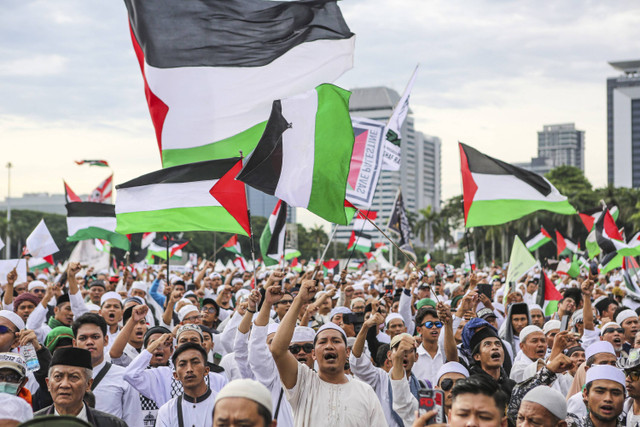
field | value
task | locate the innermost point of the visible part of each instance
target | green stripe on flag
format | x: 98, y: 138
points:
x: 211, y: 218
x: 116, y: 239
x: 333, y: 149
x: 495, y: 212
x: 550, y: 307
x: 245, y: 141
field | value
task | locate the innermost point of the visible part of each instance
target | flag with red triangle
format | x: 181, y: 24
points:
x: 69, y: 195
x: 548, y: 296
x: 232, y: 245
x: 102, y: 193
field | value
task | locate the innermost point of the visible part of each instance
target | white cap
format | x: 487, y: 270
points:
x: 550, y: 326
x: 303, y: 334
x: 139, y: 285
x: 36, y: 284
x: 246, y: 389
x: 42, y: 276
x: 92, y: 307
x: 15, y: 408
x: 332, y: 325
x: 535, y: 307
x: 598, y: 347
x: 624, y: 315
x: 552, y: 400
x: 392, y: 316
x: 339, y: 310
x: 605, y: 372
x: 449, y: 368
x: 609, y: 325
x: 236, y: 281
x: 527, y: 330
x: 13, y: 318
x: 184, y: 311
x: 110, y: 295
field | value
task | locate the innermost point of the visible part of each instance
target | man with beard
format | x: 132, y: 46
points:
x: 533, y: 346
x: 628, y: 319
x: 604, y: 395
x: 537, y: 315
x: 327, y: 397
x: 613, y: 333
x: 113, y: 395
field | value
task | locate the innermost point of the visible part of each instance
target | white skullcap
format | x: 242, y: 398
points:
x: 358, y: 287
x: 527, y: 330
x: 110, y: 295
x: 92, y: 307
x: 353, y: 301
x: 450, y: 368
x: 598, y: 347
x: 605, y: 372
x: 272, y: 328
x: 15, y: 408
x: 392, y: 316
x: 332, y: 325
x: 36, y: 284
x: 187, y: 328
x: 42, y: 276
x: 535, y: 307
x: 624, y: 315
x: 215, y: 276
x: 189, y: 308
x: 247, y: 389
x: 303, y: 334
x: 552, y: 400
x: 139, y: 285
x: 13, y: 318
x: 339, y: 310
x: 550, y: 326
x: 236, y: 281
x: 609, y: 325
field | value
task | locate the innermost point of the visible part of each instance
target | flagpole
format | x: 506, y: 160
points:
x: 354, y: 244
x: 284, y: 244
x: 252, y: 246
x: 324, y: 252
x: 166, y: 237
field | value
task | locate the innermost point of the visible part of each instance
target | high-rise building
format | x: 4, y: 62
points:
x: 558, y: 145
x: 419, y: 174
x: 623, y: 125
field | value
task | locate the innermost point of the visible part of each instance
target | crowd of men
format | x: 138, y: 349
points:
x: 305, y: 348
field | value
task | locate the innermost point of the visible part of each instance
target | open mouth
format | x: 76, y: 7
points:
x: 158, y: 355
x: 189, y: 377
x: 617, y: 341
x: 330, y: 356
x: 112, y: 316
x: 301, y: 359
x: 606, y: 409
x: 495, y: 356
x: 139, y: 334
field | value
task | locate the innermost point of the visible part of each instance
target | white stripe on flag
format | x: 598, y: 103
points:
x: 208, y: 104
x: 508, y: 187
x: 166, y: 196
x: 75, y: 223
x: 298, y: 149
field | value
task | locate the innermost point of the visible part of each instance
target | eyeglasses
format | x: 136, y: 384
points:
x: 210, y: 310
x: 192, y: 318
x: 38, y: 291
x: 12, y: 377
x: 288, y: 301
x: 429, y: 324
x: 295, y: 348
x: 446, y: 384
x: 633, y: 375
x: 612, y: 330
x: 6, y: 330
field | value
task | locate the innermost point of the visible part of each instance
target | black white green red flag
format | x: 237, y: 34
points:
x: 197, y: 196
x: 102, y: 193
x: 564, y: 246
x: 304, y: 154
x: 212, y: 69
x: 70, y: 195
x: 232, y: 245
x: 88, y: 220
x: 548, y: 295
x: 102, y: 163
x: 536, y: 242
x: 272, y: 239
x: 496, y: 192
x: 360, y: 241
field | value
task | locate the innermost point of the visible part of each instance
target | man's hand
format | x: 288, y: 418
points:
x: 473, y: 280
x: 242, y: 308
x: 374, y: 321
x: 12, y: 276
x: 485, y: 301
x: 175, y: 296
x: 72, y: 269
x: 272, y: 295
x: 412, y: 281
x: 164, y: 340
x: 444, y: 313
x: 139, y: 312
x: 274, y: 278
x: 421, y: 420
x: 28, y: 336
x: 587, y: 288
x: 405, y: 345
x: 308, y: 290
x: 561, y: 363
x: 562, y: 341
x: 254, y: 300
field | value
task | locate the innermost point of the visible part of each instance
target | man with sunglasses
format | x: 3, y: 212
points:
x: 431, y: 355
x: 282, y: 306
x: 613, y: 333
x: 447, y: 377
x: 628, y: 319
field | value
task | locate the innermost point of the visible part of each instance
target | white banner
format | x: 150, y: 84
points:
x: 366, y: 161
x: 9, y: 264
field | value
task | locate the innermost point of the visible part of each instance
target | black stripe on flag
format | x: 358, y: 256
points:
x: 230, y: 33
x: 360, y: 235
x: 483, y: 164
x: 281, y: 221
x: 263, y: 166
x: 604, y: 242
x: 90, y: 209
x: 191, y: 172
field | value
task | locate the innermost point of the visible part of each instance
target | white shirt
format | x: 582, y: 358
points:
x: 317, y: 403
x: 82, y: 414
x: 576, y: 406
x: 196, y: 414
x: 426, y: 367
x: 116, y: 397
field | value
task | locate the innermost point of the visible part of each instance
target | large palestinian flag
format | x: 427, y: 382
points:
x: 88, y: 220
x: 211, y: 69
x: 496, y: 192
x: 198, y: 196
x: 303, y: 157
x: 272, y: 239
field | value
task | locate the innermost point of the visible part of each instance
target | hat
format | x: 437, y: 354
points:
x: 397, y: 338
x: 390, y: 317
x: 110, y: 295
x: 137, y: 300
x: 247, y: 389
x: 552, y: 400
x: 139, y: 285
x: 535, y: 307
x: 303, y: 334
x: 339, y: 310
x: 189, y: 327
x: 62, y: 299
x: 13, y: 318
x: 480, y: 335
x: 528, y: 330
x: 486, y: 313
x: 609, y: 325
x: 605, y: 372
x: 331, y: 325
x: 25, y: 296
x: 151, y: 331
x: 519, y: 308
x: 13, y: 361
x: 189, y: 308
x: 568, y: 352
x: 550, y: 326
x: 425, y: 301
x: 36, y: 284
x: 72, y: 356
x: 624, y: 315
x: 97, y: 283
x: 15, y: 408
x: 55, y: 335
x: 449, y: 368
x: 92, y: 307
x: 598, y: 347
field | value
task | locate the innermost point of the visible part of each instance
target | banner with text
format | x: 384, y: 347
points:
x: 366, y: 161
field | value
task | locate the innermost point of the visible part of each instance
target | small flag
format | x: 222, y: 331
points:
x: 399, y: 224
x: 331, y: 266
x: 240, y: 263
x: 631, y: 273
x: 102, y: 193
x: 564, y: 246
x: 592, y: 245
x: 272, y: 238
x: 569, y: 267
x: 69, y: 195
x: 520, y: 262
x: 539, y: 240
x: 427, y: 258
x: 40, y: 243
x: 88, y: 220
x: 147, y: 239
x: 590, y: 217
x: 548, y: 296
x: 102, y: 163
x: 102, y: 245
x: 291, y: 254
x: 232, y: 245
x: 359, y: 241
x: 360, y: 221
x: 159, y: 249
x: 496, y: 192
x: 295, y: 265
x: 608, y: 236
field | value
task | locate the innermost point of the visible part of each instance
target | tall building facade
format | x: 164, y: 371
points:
x: 623, y: 125
x: 419, y: 174
x: 558, y: 145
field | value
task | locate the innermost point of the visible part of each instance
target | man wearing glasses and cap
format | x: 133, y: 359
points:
x: 631, y: 368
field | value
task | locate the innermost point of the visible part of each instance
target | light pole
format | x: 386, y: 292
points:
x: 7, y: 252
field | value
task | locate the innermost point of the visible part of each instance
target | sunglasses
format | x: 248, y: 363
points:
x: 446, y: 384
x: 429, y: 324
x: 286, y: 301
x: 11, y: 377
x: 210, y: 310
x: 295, y: 348
x: 612, y: 330
x: 6, y: 330
x: 39, y: 291
x: 633, y: 375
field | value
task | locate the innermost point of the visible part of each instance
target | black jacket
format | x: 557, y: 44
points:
x: 96, y: 418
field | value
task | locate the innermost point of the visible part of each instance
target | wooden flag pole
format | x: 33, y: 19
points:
x: 167, y: 238
x: 324, y: 252
x: 252, y: 246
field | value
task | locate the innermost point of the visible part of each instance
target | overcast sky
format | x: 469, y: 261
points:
x: 492, y: 73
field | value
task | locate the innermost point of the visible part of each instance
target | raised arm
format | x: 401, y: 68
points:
x: 167, y: 316
x: 361, y: 338
x: 587, y: 310
x: 117, y: 348
x: 12, y: 276
x: 450, y: 349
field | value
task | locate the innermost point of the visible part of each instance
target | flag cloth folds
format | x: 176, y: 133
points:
x: 536, y: 242
x: 548, y: 295
x: 608, y: 236
x: 198, y: 196
x: 399, y: 224
x: 592, y: 244
x: 102, y: 193
x: 569, y: 267
x: 361, y: 241
x: 520, y: 262
x: 69, y: 195
x: 303, y: 156
x: 496, y: 192
x: 360, y: 221
x: 631, y: 273
x: 331, y: 266
x: 272, y: 239
x: 564, y: 246
x: 291, y: 254
x: 147, y: 239
x: 88, y: 220
x: 232, y: 245
x: 40, y: 243
x: 158, y: 248
x: 102, y: 163
x: 590, y: 217
x: 212, y: 69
